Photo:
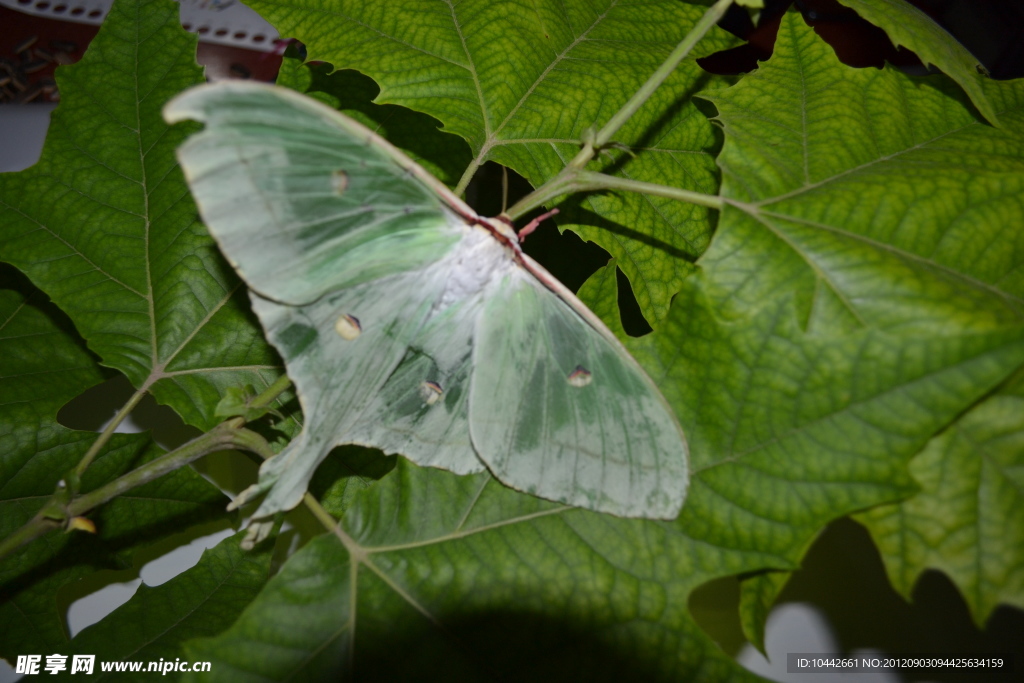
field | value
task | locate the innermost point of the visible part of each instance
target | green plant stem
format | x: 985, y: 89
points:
x: 700, y: 29
x: 270, y: 394
x: 219, y: 438
x: 568, y: 180
x: 590, y: 181
x: 467, y: 175
x: 30, y: 531
x: 108, y: 431
x: 602, y: 181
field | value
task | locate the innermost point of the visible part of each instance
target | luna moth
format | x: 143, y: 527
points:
x: 411, y: 324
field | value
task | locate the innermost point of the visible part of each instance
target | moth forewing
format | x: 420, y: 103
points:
x: 181, y: 108
x: 302, y: 199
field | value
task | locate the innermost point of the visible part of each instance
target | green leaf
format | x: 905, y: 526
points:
x: 201, y: 601
x: 968, y: 519
x: 863, y: 289
x: 467, y: 580
x: 104, y: 223
x: 42, y: 365
x: 908, y: 26
x: 522, y: 86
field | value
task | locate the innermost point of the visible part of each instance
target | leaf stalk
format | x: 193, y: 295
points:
x: 219, y: 438
x: 571, y: 178
x: 108, y: 432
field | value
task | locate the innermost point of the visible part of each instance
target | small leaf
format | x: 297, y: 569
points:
x: 237, y: 402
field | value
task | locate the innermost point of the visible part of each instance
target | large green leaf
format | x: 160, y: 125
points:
x: 864, y: 287
x: 43, y: 365
x: 968, y: 519
x: 105, y: 225
x: 522, y: 85
x: 201, y: 601
x: 459, y: 578
x: 908, y: 26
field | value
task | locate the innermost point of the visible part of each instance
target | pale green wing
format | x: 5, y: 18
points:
x: 302, y: 199
x: 422, y: 409
x: 559, y: 409
x: 376, y: 364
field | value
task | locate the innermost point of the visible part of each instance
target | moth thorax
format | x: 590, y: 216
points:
x: 348, y: 327
x: 339, y: 182
x: 477, y: 260
x: 580, y: 377
x: 430, y: 392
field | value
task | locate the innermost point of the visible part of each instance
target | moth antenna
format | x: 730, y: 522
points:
x: 532, y: 225
x: 504, y: 188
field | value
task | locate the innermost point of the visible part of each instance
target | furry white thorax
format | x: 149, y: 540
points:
x: 476, y: 261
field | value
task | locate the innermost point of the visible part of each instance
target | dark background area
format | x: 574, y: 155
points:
x: 992, y: 30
